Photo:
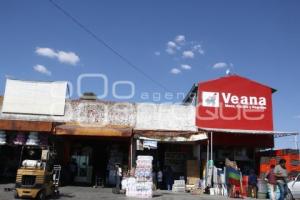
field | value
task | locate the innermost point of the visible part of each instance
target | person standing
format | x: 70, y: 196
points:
x: 271, y: 179
x: 252, y: 182
x: 169, y: 177
x: 118, y: 177
x: 281, y: 178
x: 154, y: 179
x: 73, y: 167
x: 159, y: 179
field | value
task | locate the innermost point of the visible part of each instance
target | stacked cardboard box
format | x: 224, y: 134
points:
x: 178, y: 186
x: 192, y: 172
x: 141, y: 185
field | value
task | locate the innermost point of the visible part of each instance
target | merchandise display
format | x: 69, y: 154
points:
x: 141, y: 185
x: 20, y: 139
x: 178, y: 186
x: 33, y: 139
x: 2, y: 138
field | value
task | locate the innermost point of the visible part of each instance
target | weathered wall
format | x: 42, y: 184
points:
x: 97, y: 113
x: 143, y: 116
x: 165, y: 117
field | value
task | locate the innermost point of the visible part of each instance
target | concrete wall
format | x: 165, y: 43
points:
x: 165, y: 117
x: 143, y: 116
x: 99, y: 113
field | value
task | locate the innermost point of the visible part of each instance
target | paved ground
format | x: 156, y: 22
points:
x: 88, y: 193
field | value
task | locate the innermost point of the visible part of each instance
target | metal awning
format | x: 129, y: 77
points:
x: 89, y: 130
x: 22, y: 125
x: 276, y: 134
x: 170, y: 136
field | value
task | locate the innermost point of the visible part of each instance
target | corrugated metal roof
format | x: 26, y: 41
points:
x: 240, y: 131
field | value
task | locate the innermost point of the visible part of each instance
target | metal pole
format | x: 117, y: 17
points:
x: 131, y: 152
x: 211, y: 145
x: 207, y: 153
x: 207, y: 160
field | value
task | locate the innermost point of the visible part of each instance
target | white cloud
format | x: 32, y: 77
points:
x: 62, y: 56
x: 175, y: 71
x: 68, y: 57
x: 157, y: 53
x: 188, y: 54
x: 171, y: 44
x: 297, y: 116
x: 42, y: 69
x: 46, y: 52
x: 171, y: 47
x: 186, y: 67
x: 220, y: 65
x: 180, y: 39
x: 170, y: 51
x: 198, y: 48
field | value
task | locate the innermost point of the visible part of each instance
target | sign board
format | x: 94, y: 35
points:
x: 234, y: 102
x: 27, y: 97
x: 150, y: 144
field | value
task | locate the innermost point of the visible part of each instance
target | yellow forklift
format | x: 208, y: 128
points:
x: 37, y: 176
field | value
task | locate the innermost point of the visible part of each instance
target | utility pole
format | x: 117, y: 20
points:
x: 297, y: 145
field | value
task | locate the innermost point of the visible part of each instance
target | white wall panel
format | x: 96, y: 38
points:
x: 42, y: 98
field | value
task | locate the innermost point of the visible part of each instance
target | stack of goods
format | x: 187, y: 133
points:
x: 143, y: 174
x: 262, y: 189
x: 33, y: 139
x: 115, y: 156
x: 178, y: 186
x: 199, y: 188
x: 141, y: 186
x: 218, y: 181
x: 193, y: 174
x: 20, y: 139
x: 2, y: 138
x: 129, y: 184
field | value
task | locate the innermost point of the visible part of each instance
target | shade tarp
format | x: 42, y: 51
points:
x: 83, y: 130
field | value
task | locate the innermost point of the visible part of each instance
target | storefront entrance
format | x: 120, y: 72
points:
x: 93, y: 157
x: 173, y: 155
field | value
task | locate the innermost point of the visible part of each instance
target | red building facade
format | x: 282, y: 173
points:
x: 236, y: 103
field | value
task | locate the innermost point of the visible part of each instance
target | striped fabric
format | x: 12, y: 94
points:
x: 233, y: 176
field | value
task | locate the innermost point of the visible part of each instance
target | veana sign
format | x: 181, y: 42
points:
x: 234, y: 102
x: 212, y: 99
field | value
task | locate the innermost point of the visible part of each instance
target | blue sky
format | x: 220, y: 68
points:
x: 256, y: 39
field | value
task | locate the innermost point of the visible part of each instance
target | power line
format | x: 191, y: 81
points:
x: 105, y: 44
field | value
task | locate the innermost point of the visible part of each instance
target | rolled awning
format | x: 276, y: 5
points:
x: 88, y: 130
